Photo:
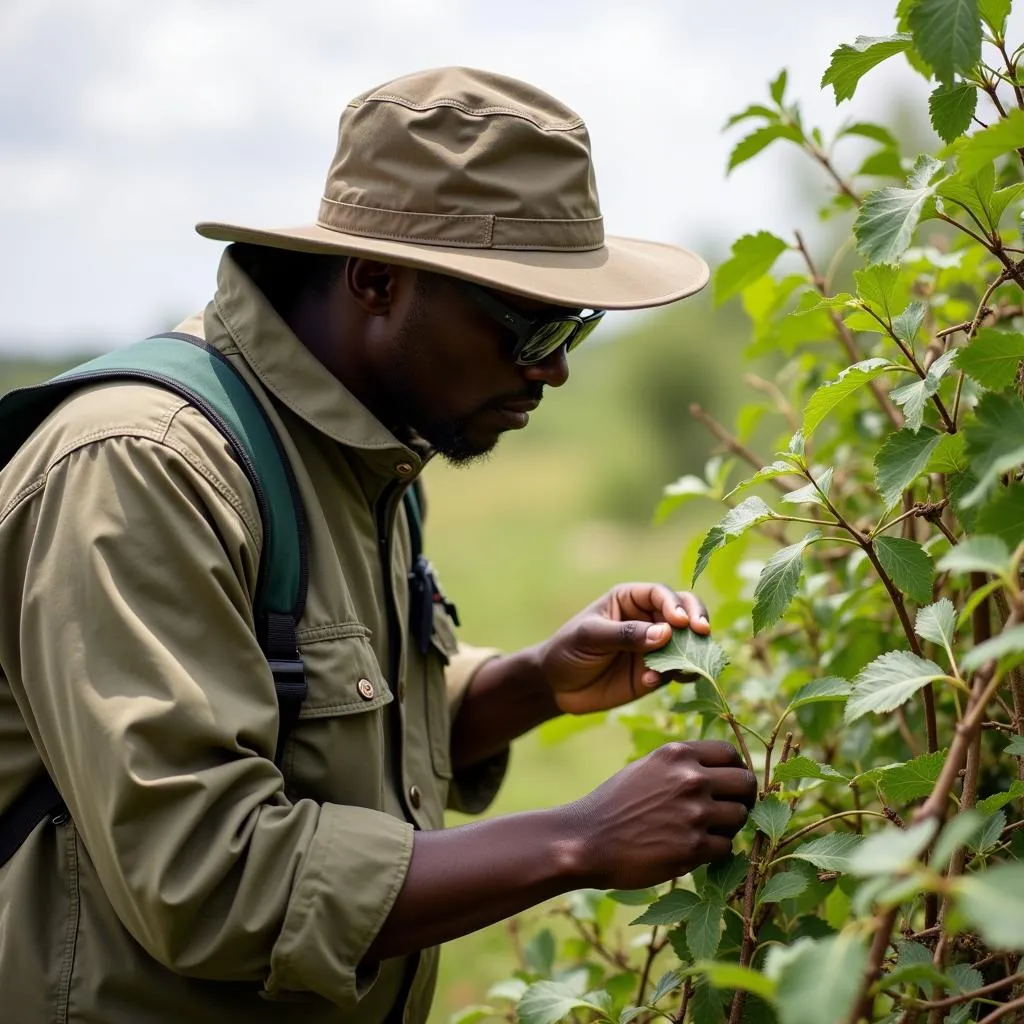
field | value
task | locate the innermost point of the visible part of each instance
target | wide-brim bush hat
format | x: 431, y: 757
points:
x: 479, y: 176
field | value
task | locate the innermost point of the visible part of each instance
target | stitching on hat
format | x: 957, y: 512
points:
x: 399, y: 236
x: 451, y: 101
x: 406, y: 213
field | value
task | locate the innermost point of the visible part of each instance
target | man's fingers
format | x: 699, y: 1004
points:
x: 602, y: 635
x: 695, y: 612
x: 737, y: 784
x: 726, y: 818
x: 715, y: 754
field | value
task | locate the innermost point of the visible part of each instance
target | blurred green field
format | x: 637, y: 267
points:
x: 560, y: 513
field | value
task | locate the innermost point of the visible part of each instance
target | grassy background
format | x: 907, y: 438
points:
x: 560, y: 513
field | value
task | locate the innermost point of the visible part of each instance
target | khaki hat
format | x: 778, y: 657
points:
x: 482, y: 177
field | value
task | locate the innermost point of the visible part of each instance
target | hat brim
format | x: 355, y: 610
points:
x: 625, y: 273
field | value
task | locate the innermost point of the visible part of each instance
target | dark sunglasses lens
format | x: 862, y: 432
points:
x: 545, y: 339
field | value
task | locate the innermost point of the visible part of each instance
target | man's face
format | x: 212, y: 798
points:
x: 450, y: 374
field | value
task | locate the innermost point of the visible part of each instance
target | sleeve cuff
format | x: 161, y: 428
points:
x: 351, y: 876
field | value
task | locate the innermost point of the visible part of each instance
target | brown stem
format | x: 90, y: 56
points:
x: 652, y: 951
x: 768, y: 388
x: 842, y: 185
x: 733, y: 444
x: 1011, y: 72
x: 749, y: 935
x: 1002, y: 1011
x: 684, y: 1000
x: 873, y: 970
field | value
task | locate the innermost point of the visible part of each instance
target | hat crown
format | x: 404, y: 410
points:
x: 461, y: 157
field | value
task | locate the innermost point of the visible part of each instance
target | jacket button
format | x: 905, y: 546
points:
x: 403, y: 468
x: 365, y: 688
x: 415, y: 797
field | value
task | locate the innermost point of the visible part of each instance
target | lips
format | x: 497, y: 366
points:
x: 526, y: 405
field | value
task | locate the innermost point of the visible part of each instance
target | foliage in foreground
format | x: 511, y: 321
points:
x: 875, y: 617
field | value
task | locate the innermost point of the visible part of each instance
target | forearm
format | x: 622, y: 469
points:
x: 465, y: 878
x: 507, y: 698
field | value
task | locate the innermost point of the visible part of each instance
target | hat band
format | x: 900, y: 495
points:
x: 470, y: 231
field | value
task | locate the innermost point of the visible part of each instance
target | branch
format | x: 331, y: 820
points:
x: 749, y: 937
x: 873, y: 970
x: 1002, y: 1011
x: 978, y: 993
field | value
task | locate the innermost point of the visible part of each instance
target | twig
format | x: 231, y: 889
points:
x: 873, y: 970
x: 652, y: 951
x: 998, y: 1014
x: 732, y: 443
x: 749, y: 937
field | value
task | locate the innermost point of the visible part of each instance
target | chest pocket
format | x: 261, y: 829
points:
x: 337, y: 752
x: 443, y: 646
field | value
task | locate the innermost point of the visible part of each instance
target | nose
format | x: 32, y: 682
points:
x: 553, y: 370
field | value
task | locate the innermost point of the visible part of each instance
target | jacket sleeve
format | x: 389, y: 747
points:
x: 133, y: 562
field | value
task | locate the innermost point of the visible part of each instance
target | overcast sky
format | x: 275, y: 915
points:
x: 122, y: 123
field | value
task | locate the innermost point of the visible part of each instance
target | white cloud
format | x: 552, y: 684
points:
x: 121, y: 124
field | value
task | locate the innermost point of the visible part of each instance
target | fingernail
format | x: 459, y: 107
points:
x: 657, y: 633
x: 681, y: 610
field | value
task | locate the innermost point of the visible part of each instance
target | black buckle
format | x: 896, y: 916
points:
x: 289, y: 678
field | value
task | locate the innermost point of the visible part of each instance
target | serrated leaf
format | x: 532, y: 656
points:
x: 747, y: 514
x: 778, y: 582
x: 771, y: 816
x: 888, y: 216
x: 754, y: 110
x: 831, y: 852
x: 706, y: 1003
x: 546, y: 1002
x: 997, y: 801
x: 1008, y: 644
x: 688, y: 652
x: 957, y: 833
x: 995, y: 442
x: 850, y: 62
x: 867, y: 130
x: 881, y: 286
x: 831, y: 688
x: 777, y: 89
x: 892, y: 849
x: 803, y: 767
x: 1003, y: 516
x: 913, y: 397
x: 633, y: 897
x: 725, y: 875
x: 828, y: 396
x: 950, y: 455
x: 952, y: 108
x: 937, y: 622
x: 889, y: 681
x: 1015, y: 747
x: 770, y: 472
x: 704, y: 929
x: 977, y: 554
x: 818, y: 979
x: 1002, y: 198
x: 902, y: 458
x: 947, y: 34
x: 910, y: 781
x: 752, y: 256
x: 993, y: 358
x: 677, y: 494
x: 981, y: 148
x: 994, y: 13
x: 973, y: 193
x: 992, y: 901
x: 666, y: 983
x: 908, y: 323
x: 909, y: 566
x: 672, y: 908
x: 749, y: 146
x: 783, y: 886
x: 811, y: 494
x: 990, y: 834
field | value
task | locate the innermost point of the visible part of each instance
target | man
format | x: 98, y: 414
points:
x: 457, y: 253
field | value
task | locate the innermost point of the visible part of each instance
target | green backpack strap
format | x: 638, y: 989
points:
x: 202, y: 376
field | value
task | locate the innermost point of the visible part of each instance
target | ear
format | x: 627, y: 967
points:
x: 372, y: 284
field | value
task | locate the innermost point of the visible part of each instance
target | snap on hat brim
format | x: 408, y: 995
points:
x: 624, y: 273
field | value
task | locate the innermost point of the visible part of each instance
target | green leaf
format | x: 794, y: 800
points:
x: 811, y: 494
x: 831, y: 688
x: 947, y: 34
x: 473, y: 1014
x: 678, y: 493
x: 706, y: 1004
x: 704, y: 929
x: 1009, y: 642
x: 755, y: 110
x: 937, y: 622
x: 546, y: 1002
x: 881, y: 286
x: 1003, y: 516
x: 910, y: 781
x: 1015, y: 747
x: 633, y: 897
x: 777, y: 89
x: 912, y: 398
x: 778, y: 582
x: 990, y: 834
x: 1002, y: 198
x: 908, y: 323
x: 540, y: 952
x: 908, y: 565
x: 995, y: 442
x: 992, y: 901
x: 818, y: 979
x: 748, y: 513
x: 981, y: 148
x: 997, y: 801
x: 977, y: 554
x: 867, y: 130
x: 994, y: 13
x: 828, y: 396
x: 672, y: 908
x: 950, y: 456
x: 771, y: 816
x: 725, y: 875
x: 803, y: 767
x: 669, y: 981
x: 688, y: 652
x: 783, y: 886
x: 974, y: 193
x: 903, y: 457
x: 959, y: 831
x: 888, y: 216
x: 850, y: 62
x: 831, y: 852
x: 733, y: 976
x: 889, y: 681
x: 952, y: 108
x: 770, y: 472
x: 749, y: 146
x: 993, y: 358
x: 752, y: 256
x: 892, y: 849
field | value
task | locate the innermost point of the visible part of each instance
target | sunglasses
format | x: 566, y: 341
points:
x: 536, y: 337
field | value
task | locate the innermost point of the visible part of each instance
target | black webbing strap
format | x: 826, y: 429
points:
x: 281, y: 647
x: 38, y: 800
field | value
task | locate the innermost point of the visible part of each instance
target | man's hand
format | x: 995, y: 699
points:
x: 596, y: 660
x: 664, y: 815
